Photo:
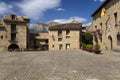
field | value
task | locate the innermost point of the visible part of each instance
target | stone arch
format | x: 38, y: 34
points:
x: 118, y: 38
x: 13, y: 47
x: 110, y: 42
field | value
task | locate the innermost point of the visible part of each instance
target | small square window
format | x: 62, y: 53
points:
x: 53, y: 46
x: 59, y: 39
x: 2, y: 37
x: 67, y: 37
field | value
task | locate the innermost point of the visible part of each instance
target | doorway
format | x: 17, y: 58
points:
x: 13, y: 47
x: 110, y: 42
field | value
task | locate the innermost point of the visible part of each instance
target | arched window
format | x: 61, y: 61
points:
x: 13, y: 47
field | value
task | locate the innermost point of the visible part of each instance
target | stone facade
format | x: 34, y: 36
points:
x: 3, y: 37
x: 65, y: 36
x: 39, y: 41
x: 106, y: 25
x: 14, y: 32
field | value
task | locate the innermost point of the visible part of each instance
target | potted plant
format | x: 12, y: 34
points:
x: 97, y: 48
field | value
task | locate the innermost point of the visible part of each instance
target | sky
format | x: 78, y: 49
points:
x: 61, y: 11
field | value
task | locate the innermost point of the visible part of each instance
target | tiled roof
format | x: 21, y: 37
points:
x: 70, y: 26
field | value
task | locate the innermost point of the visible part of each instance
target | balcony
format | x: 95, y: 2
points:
x: 13, y: 41
x: 13, y: 38
x: 97, y: 32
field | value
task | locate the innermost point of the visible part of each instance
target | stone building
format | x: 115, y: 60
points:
x: 65, y: 36
x: 39, y: 37
x: 39, y: 41
x: 14, y: 33
x: 106, y: 25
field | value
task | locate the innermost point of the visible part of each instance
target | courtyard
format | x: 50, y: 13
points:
x: 61, y: 65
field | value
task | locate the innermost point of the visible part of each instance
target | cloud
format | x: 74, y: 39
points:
x: 87, y: 24
x: 36, y: 8
x: 62, y: 21
x: 60, y: 9
x: 99, y: 0
x: 102, y: 0
x: 5, y: 8
x: 33, y: 8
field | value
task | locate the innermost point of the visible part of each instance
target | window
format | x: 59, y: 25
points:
x: 2, y: 37
x: 115, y: 17
x: 101, y: 25
x: 59, y: 39
x: 46, y: 42
x: 59, y: 33
x: 96, y: 27
x: 67, y: 46
x: 60, y: 47
x: 13, y: 37
x: 118, y: 38
x: 53, y: 37
x: 13, y: 32
x: 67, y: 37
x: 53, y: 46
x: 67, y: 32
x: 13, y: 27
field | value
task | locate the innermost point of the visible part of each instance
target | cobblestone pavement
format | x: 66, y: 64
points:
x: 64, y: 65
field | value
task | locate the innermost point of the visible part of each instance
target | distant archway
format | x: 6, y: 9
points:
x: 110, y: 42
x: 13, y: 47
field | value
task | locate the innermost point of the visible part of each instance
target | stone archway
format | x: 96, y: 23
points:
x: 110, y: 43
x: 13, y: 47
x: 118, y: 38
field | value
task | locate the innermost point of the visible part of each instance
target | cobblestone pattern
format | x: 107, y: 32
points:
x: 64, y: 65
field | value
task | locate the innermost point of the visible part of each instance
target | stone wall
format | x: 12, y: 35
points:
x: 73, y: 38
x: 22, y: 33
x: 107, y: 24
x: 3, y: 41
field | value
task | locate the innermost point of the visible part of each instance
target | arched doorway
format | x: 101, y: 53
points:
x: 118, y: 39
x: 13, y: 47
x: 110, y: 42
